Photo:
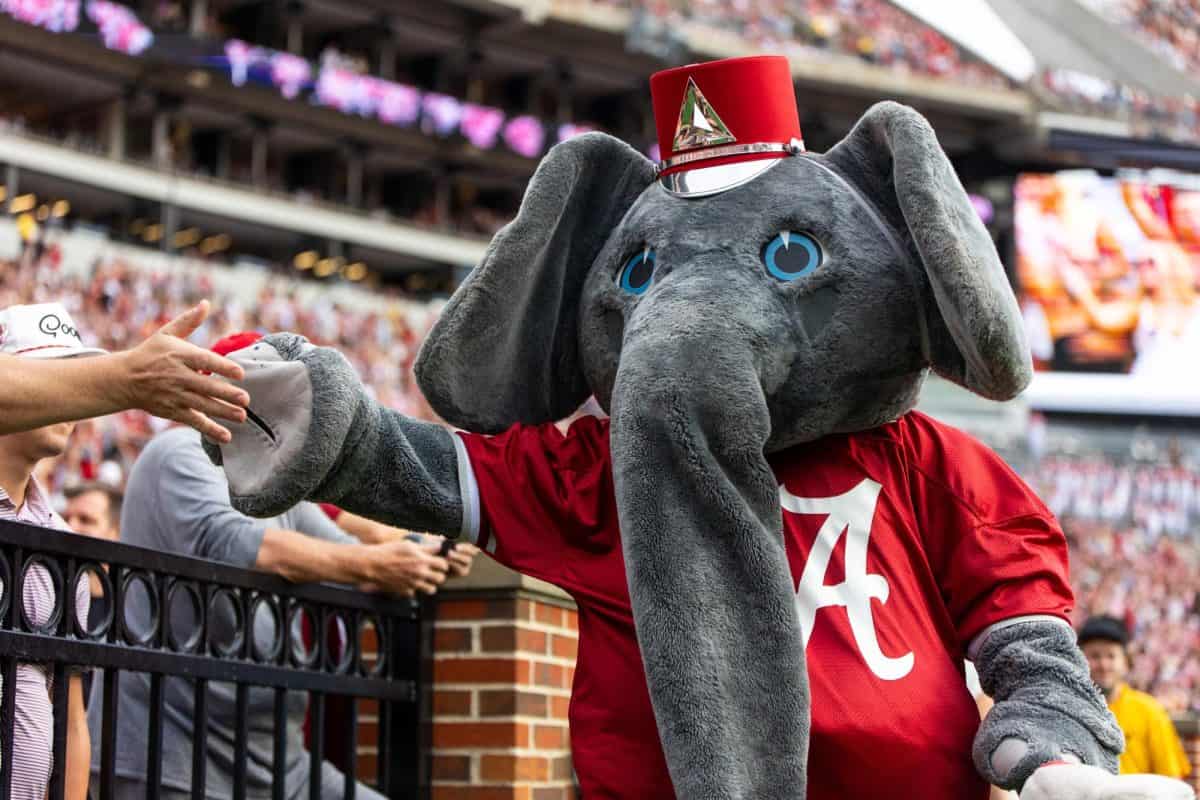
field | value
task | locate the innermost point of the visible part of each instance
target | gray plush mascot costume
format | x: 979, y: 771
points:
x: 758, y: 321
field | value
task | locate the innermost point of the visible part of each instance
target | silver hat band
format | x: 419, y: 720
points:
x: 793, y: 147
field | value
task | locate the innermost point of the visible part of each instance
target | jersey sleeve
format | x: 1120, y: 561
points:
x: 531, y: 492
x: 995, y: 550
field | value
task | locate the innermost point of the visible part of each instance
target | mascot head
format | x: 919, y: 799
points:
x: 750, y: 281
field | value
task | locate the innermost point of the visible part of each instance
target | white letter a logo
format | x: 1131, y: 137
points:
x: 851, y: 514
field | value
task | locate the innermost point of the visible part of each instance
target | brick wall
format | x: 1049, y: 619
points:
x: 503, y: 664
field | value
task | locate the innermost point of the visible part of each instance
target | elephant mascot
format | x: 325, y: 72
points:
x: 758, y: 321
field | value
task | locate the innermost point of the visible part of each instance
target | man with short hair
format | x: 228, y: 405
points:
x: 94, y: 509
x: 22, y: 499
x: 1151, y: 743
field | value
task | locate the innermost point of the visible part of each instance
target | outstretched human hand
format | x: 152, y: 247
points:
x: 404, y: 567
x: 165, y: 376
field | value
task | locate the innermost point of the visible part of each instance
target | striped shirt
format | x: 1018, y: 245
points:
x: 33, y: 723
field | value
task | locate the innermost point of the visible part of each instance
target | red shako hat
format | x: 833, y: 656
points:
x: 723, y: 123
x: 235, y: 341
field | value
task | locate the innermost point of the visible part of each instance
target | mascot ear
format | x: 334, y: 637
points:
x: 976, y: 338
x: 505, y: 348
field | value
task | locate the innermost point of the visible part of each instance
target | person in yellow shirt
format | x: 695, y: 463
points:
x: 1151, y: 743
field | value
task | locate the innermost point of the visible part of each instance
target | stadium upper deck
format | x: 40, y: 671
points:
x: 399, y: 134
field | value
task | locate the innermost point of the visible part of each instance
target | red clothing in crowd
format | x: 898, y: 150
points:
x: 915, y: 538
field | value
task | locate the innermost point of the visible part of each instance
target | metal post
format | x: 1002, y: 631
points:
x: 12, y: 184
x: 114, y: 127
x: 385, y: 54
x: 170, y: 225
x: 224, y: 154
x: 198, y: 17
x: 160, y: 138
x: 356, y: 164
x: 295, y: 27
x: 200, y: 739
x: 258, y: 152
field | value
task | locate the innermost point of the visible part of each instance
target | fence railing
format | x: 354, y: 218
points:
x: 322, y: 645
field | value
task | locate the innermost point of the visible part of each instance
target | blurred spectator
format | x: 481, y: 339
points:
x: 23, y: 499
x: 1151, y: 743
x: 94, y: 509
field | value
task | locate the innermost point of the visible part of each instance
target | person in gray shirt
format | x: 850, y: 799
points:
x: 176, y: 501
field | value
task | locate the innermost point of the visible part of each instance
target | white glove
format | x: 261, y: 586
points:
x: 1081, y: 782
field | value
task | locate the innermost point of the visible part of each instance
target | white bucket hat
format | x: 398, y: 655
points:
x: 44, y: 330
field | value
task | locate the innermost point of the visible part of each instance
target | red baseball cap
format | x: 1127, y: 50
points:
x: 723, y: 123
x: 235, y: 341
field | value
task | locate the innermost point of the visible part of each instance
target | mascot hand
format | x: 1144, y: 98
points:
x: 304, y: 402
x: 1063, y: 781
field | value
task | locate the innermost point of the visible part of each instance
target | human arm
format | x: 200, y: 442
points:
x: 79, y: 742
x: 401, y: 567
x: 159, y: 376
x: 193, y: 504
x: 368, y: 531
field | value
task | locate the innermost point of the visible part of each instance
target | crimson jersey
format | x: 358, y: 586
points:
x: 905, y: 542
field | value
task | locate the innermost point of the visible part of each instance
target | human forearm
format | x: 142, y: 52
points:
x: 79, y: 744
x: 44, y: 392
x: 164, y: 375
x: 401, y: 567
x: 368, y: 531
x: 302, y: 559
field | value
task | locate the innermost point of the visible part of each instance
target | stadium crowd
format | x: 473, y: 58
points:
x: 1171, y: 27
x: 1149, y: 115
x: 873, y: 30
x: 121, y: 303
x: 1135, y: 555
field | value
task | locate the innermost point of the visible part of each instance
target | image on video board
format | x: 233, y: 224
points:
x: 1108, y: 271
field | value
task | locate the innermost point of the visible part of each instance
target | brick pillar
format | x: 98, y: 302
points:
x: 503, y: 660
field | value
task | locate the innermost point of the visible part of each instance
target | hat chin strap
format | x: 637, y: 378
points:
x: 702, y: 181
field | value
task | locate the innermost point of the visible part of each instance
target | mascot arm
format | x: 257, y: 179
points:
x: 1050, y: 734
x: 313, y: 433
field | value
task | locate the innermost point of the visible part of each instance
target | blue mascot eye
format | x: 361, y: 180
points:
x: 635, y: 275
x: 791, y: 255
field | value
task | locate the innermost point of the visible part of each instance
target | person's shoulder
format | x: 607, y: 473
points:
x: 1144, y: 702
x: 171, y: 450
x: 174, y: 440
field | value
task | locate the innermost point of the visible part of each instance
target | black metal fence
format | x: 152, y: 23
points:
x: 111, y: 647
